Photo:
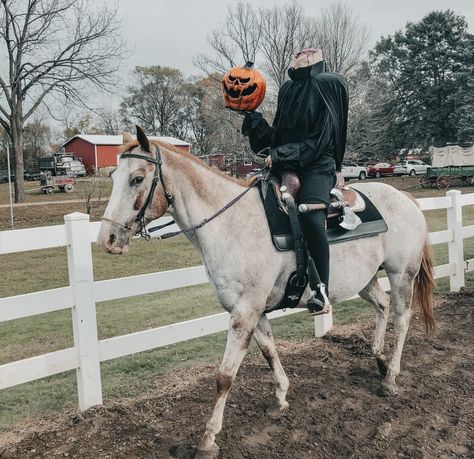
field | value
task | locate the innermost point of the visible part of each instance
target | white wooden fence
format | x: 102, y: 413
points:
x: 83, y: 293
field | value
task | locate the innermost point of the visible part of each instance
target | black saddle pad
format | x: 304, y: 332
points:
x: 279, y: 224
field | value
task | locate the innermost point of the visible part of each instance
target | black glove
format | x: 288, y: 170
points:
x: 251, y: 119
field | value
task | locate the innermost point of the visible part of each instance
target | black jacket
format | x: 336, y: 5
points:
x: 310, y: 125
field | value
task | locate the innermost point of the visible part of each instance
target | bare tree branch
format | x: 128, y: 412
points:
x: 237, y: 42
x: 342, y: 37
x: 53, y: 47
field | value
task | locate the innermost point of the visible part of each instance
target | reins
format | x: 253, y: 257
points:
x: 158, y: 177
x: 203, y: 222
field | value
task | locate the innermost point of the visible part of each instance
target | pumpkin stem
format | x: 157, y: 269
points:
x: 248, y: 65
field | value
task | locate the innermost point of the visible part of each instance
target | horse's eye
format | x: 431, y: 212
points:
x: 136, y: 180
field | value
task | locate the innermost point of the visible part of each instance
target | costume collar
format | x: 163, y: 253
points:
x: 306, y: 72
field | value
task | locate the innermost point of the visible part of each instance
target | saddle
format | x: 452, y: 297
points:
x: 351, y: 215
x: 347, y: 197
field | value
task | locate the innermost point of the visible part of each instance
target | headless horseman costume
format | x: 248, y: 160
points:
x: 308, y: 137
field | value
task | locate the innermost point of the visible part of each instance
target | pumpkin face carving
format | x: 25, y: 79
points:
x: 243, y: 88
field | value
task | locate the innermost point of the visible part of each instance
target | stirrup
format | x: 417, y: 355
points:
x: 326, y: 308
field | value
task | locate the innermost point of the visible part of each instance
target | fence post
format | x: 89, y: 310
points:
x: 322, y: 324
x: 456, y: 247
x: 84, y: 320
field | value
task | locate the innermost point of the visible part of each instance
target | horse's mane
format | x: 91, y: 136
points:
x: 173, y: 150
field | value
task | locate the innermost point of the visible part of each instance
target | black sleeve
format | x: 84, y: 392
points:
x: 333, y: 90
x: 298, y: 154
x: 259, y: 132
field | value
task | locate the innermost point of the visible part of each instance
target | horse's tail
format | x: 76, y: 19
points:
x: 423, y: 288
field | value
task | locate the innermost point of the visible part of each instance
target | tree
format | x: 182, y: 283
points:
x: 51, y: 48
x: 429, y: 68
x: 284, y: 31
x: 269, y: 37
x: 212, y: 128
x: 79, y: 123
x: 156, y: 101
x: 237, y: 42
x: 94, y: 191
x: 4, y: 141
x: 342, y: 37
x: 109, y: 121
x: 370, y: 116
x: 37, y: 139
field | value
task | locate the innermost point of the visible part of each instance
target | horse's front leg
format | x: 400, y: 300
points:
x: 266, y: 343
x: 242, y: 325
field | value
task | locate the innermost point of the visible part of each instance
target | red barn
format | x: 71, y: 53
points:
x: 216, y: 160
x: 238, y: 167
x: 102, y: 151
x: 244, y: 166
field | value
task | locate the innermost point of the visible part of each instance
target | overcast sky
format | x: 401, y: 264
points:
x: 172, y: 32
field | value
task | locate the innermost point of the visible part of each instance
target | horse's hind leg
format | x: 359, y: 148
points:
x: 242, y: 325
x: 401, y: 299
x: 375, y: 295
x: 266, y: 343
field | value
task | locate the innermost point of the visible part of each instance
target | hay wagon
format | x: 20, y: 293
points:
x: 451, y: 164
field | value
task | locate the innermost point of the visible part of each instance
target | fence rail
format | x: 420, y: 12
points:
x: 83, y: 293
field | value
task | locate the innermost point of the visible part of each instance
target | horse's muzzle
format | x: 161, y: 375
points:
x: 111, y: 241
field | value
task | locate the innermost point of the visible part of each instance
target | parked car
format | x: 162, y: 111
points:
x: 4, y: 176
x: 379, y: 170
x: 351, y: 170
x: 411, y: 167
x: 31, y: 175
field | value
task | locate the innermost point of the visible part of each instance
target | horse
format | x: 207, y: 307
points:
x: 248, y: 274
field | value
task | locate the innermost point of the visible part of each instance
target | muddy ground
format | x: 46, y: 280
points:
x: 335, y: 409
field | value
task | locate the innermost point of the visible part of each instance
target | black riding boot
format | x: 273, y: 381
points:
x: 314, y: 227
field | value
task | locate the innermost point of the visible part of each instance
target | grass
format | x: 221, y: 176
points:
x: 52, y: 214
x: 34, y: 193
x: 132, y: 375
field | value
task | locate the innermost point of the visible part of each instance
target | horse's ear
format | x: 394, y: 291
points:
x: 127, y: 137
x: 142, y: 139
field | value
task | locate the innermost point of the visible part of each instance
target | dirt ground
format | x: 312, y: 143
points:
x: 335, y: 409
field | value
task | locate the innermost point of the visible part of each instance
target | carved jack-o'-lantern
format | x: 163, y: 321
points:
x: 243, y: 88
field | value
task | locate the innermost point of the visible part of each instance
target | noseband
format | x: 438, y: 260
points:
x: 157, y: 177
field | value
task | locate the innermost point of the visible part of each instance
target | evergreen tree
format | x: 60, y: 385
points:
x: 429, y: 68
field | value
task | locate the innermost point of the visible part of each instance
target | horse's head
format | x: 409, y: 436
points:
x: 137, y: 195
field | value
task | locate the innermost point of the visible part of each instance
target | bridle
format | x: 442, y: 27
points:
x: 157, y: 177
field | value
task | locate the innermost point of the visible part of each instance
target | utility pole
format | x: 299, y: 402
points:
x: 9, y: 184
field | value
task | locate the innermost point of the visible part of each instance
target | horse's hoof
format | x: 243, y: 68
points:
x: 387, y: 389
x: 210, y: 453
x: 382, y: 364
x: 276, y: 411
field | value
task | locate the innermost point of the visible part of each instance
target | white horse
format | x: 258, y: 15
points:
x: 248, y: 274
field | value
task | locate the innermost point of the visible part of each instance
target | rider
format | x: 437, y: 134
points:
x: 308, y: 137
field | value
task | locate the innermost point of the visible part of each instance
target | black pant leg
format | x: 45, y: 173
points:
x: 314, y: 228
x: 315, y: 188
